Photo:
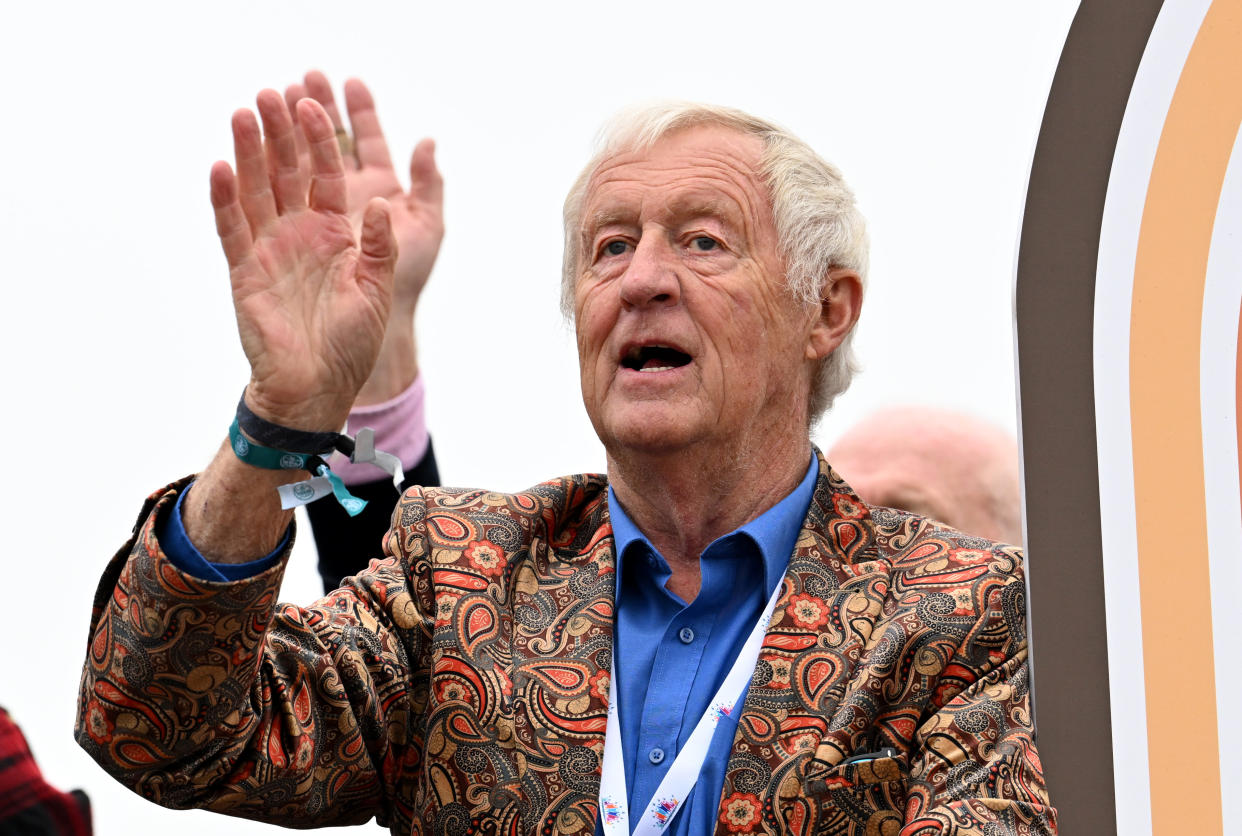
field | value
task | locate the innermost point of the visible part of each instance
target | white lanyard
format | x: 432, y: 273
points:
x: 684, y: 772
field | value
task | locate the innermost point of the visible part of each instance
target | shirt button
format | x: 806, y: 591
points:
x: 656, y: 755
x: 686, y: 635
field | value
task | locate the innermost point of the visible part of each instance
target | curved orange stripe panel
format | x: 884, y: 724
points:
x: 1170, y: 267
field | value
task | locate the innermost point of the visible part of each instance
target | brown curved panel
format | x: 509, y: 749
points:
x: 1055, y: 306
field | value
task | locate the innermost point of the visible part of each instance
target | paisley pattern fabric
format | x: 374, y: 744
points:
x: 460, y: 686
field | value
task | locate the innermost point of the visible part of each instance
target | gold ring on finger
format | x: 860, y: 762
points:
x: 346, y: 142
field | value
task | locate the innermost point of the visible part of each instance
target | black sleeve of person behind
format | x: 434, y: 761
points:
x: 346, y: 544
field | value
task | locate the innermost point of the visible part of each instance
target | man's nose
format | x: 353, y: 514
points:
x: 651, y: 277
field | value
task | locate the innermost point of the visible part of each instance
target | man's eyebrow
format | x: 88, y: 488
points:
x: 606, y: 217
x: 697, y: 206
x: 686, y: 206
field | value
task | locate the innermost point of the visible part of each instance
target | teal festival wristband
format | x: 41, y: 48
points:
x: 352, y: 504
x: 325, y: 482
x: 266, y: 457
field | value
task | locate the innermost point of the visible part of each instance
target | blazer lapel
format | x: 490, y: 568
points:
x: 823, y: 619
x: 563, y: 610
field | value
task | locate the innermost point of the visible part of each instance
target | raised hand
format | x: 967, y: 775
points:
x: 417, y: 215
x: 312, y: 300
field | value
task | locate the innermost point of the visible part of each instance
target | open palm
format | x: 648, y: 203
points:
x: 417, y: 214
x: 312, y: 299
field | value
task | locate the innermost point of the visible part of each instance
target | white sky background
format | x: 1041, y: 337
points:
x: 123, y: 365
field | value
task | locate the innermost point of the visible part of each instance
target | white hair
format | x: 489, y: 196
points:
x: 818, y: 225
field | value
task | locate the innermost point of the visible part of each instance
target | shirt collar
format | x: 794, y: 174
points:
x: 775, y: 531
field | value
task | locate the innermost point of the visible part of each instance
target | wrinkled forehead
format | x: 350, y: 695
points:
x: 706, y: 169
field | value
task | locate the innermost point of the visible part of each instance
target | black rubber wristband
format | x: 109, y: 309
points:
x: 284, y: 438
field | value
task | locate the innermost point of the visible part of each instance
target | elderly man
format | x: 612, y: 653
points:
x: 719, y: 636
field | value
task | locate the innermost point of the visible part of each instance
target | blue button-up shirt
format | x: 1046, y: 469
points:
x: 672, y: 656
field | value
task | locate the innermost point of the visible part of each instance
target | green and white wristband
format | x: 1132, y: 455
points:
x: 323, y: 481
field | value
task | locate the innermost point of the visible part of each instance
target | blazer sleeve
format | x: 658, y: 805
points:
x: 210, y: 694
x: 975, y: 770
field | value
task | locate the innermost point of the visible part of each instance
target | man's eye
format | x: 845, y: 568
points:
x: 615, y: 247
x: 703, y: 243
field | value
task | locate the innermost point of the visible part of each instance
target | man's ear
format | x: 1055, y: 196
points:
x: 840, y: 303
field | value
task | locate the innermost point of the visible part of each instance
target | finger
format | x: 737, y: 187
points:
x: 253, y: 188
x: 231, y: 223
x: 328, y: 190
x: 369, y: 143
x: 282, y: 152
x: 318, y: 88
x: 294, y: 93
x: 426, y: 184
x: 378, y: 251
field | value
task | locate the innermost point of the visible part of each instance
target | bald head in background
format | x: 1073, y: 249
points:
x: 951, y: 467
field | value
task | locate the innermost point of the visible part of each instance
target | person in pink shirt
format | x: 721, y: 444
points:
x: 391, y: 401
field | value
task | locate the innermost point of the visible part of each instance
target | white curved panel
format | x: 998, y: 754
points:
x: 1154, y: 85
x: 1222, y: 299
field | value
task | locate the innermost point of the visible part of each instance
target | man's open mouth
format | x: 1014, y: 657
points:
x: 654, y: 358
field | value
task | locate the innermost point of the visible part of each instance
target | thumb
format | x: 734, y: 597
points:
x: 426, y: 183
x: 378, y: 251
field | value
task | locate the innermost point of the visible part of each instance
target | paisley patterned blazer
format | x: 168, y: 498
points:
x: 460, y: 686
